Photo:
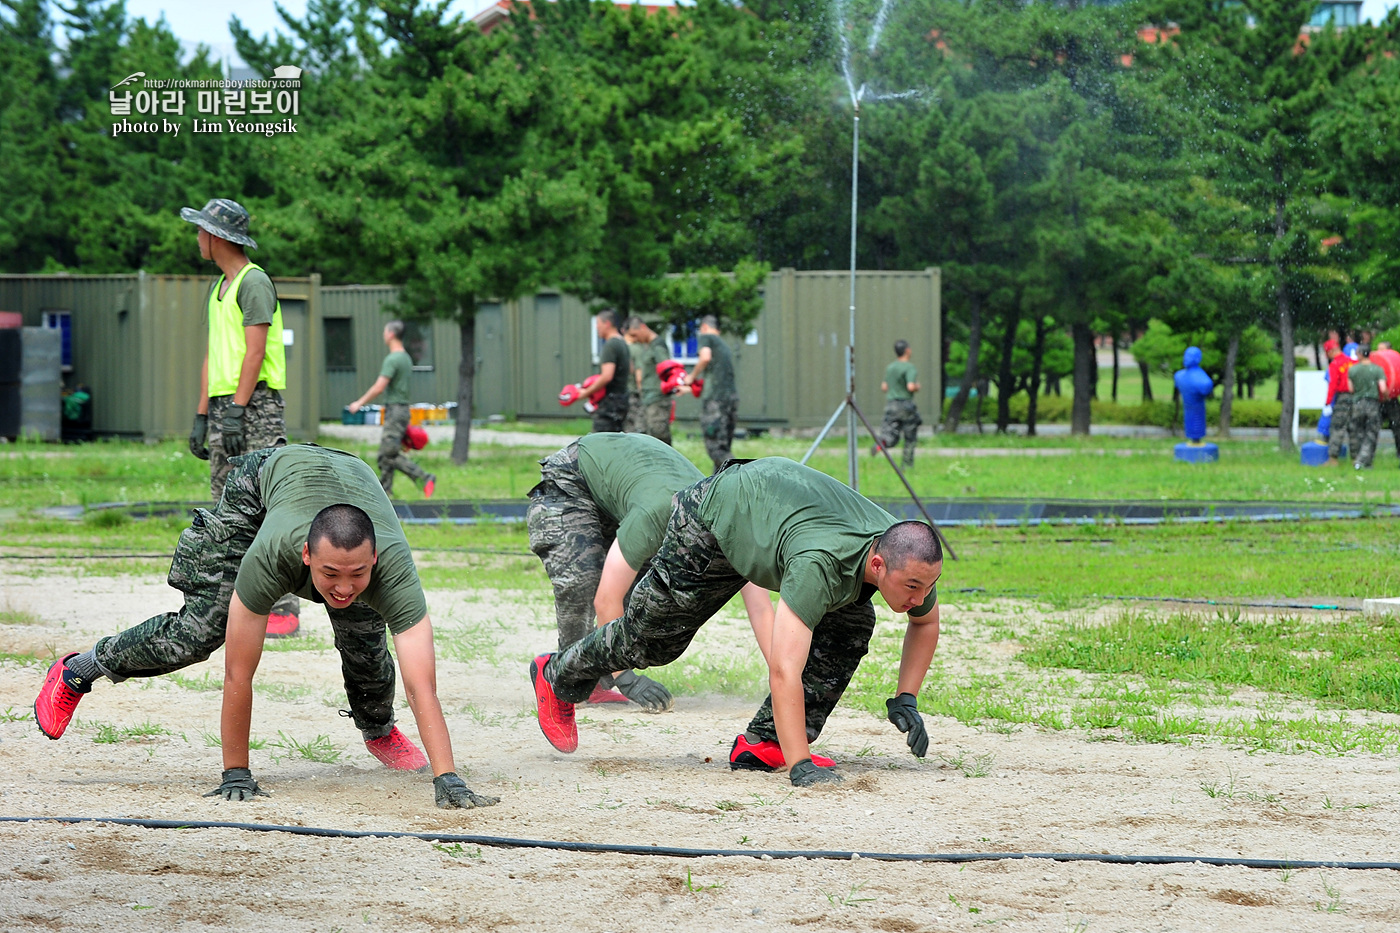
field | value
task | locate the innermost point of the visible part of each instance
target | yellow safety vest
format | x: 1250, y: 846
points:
x: 227, y: 345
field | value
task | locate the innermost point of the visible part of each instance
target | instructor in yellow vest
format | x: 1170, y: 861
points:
x: 245, y: 368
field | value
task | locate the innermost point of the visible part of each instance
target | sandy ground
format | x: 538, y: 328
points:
x: 637, y: 779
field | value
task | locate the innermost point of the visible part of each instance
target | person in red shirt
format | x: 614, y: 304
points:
x: 1338, y: 403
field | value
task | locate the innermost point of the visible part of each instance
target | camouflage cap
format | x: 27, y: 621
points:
x: 224, y: 218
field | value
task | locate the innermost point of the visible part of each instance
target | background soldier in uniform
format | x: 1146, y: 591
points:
x: 1390, y: 410
x: 826, y: 549
x: 636, y: 419
x: 1367, y: 386
x: 393, y: 382
x: 615, y: 370
x: 719, y: 399
x: 309, y: 520
x: 648, y: 349
x: 245, y: 367
x: 901, y: 415
x: 1339, y: 399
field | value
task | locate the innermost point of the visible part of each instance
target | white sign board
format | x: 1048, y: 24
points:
x: 1309, y: 391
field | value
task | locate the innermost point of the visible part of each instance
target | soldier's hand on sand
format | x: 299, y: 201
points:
x: 904, y: 713
x: 644, y: 691
x: 199, y: 437
x: 231, y: 426
x: 238, y: 785
x: 806, y: 774
x: 451, y: 791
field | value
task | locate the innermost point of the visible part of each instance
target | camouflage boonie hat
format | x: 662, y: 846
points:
x: 224, y: 218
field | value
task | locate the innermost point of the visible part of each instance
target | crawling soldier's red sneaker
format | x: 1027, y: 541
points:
x: 59, y: 697
x: 397, y: 751
x: 764, y: 756
x: 602, y: 694
x: 556, y: 717
x: 280, y: 625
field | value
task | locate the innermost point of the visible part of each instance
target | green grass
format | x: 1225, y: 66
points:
x: 37, y: 475
x: 1352, y: 662
x: 108, y: 734
x: 11, y: 616
x: 319, y: 749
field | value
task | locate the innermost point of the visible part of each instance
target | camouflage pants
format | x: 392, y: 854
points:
x: 636, y: 418
x: 611, y: 416
x: 655, y: 419
x: 204, y: 569
x: 1339, y: 435
x: 391, y: 455
x: 1390, y: 418
x: 1364, y: 429
x: 717, y: 425
x: 571, y: 535
x: 901, y: 419
x: 264, y: 425
x: 689, y: 581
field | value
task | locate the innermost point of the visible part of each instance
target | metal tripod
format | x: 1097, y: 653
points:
x: 848, y: 404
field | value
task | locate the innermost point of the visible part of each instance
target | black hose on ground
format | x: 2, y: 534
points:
x: 507, y: 842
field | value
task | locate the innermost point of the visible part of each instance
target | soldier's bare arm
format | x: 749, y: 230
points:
x: 203, y: 407
x: 792, y: 640
x: 242, y: 652
x: 254, y: 349
x: 380, y: 385
x: 605, y: 375
x: 758, y: 603
x: 920, y: 642
x: 418, y: 664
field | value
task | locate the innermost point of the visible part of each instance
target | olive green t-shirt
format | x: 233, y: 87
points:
x: 297, y: 483
x: 651, y: 354
x: 397, y: 368
x: 719, y: 374
x: 257, y: 298
x: 898, y: 375
x: 792, y: 529
x: 1365, y: 380
x: 615, y: 351
x: 634, y: 353
x: 632, y: 478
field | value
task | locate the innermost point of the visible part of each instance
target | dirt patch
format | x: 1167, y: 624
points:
x: 641, y: 780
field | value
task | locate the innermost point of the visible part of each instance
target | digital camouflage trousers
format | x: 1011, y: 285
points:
x: 204, y: 568
x: 1390, y: 418
x: 901, y: 420
x: 655, y: 419
x: 391, y: 455
x: 611, y: 416
x: 717, y: 417
x: 689, y: 581
x: 1339, y: 435
x: 264, y: 425
x: 1364, y: 429
x: 571, y: 535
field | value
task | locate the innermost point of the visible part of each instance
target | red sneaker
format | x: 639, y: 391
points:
x: 397, y: 751
x: 764, y: 756
x: 282, y: 626
x: 556, y: 717
x: 58, y: 698
x: 603, y: 695
x: 429, y: 485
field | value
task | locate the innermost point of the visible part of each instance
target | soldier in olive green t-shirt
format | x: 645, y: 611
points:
x: 595, y: 520
x: 615, y: 372
x: 393, y: 383
x: 1368, y: 385
x: 719, y: 399
x: 653, y: 415
x: 826, y: 550
x: 304, y: 520
x: 901, y: 415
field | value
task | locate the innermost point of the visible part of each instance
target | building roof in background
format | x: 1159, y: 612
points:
x: 497, y: 13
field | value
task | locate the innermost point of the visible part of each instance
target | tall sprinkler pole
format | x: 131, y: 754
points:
x: 852, y: 453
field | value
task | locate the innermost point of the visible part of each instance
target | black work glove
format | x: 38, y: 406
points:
x: 805, y: 774
x: 238, y: 785
x: 904, y: 713
x: 452, y: 791
x: 199, y: 437
x: 644, y: 691
x: 231, y: 426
